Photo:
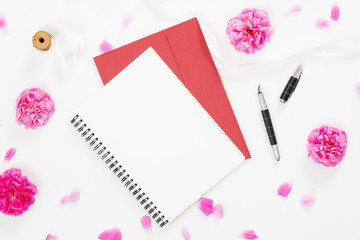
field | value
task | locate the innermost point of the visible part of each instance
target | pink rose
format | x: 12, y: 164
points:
x: 327, y: 145
x: 34, y: 108
x: 250, y: 30
x: 16, y: 192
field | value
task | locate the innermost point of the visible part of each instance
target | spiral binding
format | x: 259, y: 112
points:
x: 116, y: 168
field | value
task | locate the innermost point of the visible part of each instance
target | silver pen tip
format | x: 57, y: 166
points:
x: 298, y: 72
x: 276, y: 152
x: 259, y: 89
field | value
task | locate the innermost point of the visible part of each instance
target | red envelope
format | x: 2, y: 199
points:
x: 185, y: 51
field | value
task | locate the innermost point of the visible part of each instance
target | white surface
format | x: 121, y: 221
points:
x: 52, y: 159
x: 160, y: 134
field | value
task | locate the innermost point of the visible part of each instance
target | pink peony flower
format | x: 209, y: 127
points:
x: 250, y: 30
x: 327, y: 145
x: 34, y: 108
x: 16, y: 192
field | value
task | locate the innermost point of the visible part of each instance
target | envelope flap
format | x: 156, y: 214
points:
x: 112, y: 63
x: 200, y: 76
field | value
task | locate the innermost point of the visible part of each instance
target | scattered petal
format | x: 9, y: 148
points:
x: 335, y: 12
x: 111, y: 234
x: 218, y: 211
x: 126, y: 20
x: 295, y: 9
x: 146, y: 223
x: 322, y: 23
x: 2, y: 22
x: 186, y: 234
x: 308, y: 200
x: 358, y: 87
x: 73, y: 197
x: 284, y: 189
x: 9, y: 154
x: 248, y: 234
x: 105, y: 46
x: 51, y: 237
x: 206, y: 206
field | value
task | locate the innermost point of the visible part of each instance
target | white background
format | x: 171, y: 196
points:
x: 56, y: 159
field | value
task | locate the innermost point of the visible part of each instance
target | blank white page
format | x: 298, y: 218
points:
x: 160, y: 134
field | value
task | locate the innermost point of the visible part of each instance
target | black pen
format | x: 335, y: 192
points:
x: 268, y: 124
x: 291, y: 84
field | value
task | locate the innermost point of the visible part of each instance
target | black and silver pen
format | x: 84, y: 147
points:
x: 268, y: 124
x: 291, y: 84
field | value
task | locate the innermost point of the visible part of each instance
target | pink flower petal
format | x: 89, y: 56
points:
x: 322, y: 23
x: 111, y: 234
x: 146, y: 223
x: 105, y: 46
x: 206, y: 206
x: 186, y: 234
x: 9, y: 154
x: 218, y: 211
x: 358, y: 87
x: 74, y: 196
x: 2, y: 22
x: 51, y: 237
x: 335, y: 12
x: 295, y: 9
x: 284, y: 189
x: 126, y: 20
x: 248, y: 234
x: 308, y: 200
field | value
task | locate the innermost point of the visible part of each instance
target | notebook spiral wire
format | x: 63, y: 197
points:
x: 117, y: 169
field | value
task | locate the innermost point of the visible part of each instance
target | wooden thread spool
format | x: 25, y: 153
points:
x: 42, y: 40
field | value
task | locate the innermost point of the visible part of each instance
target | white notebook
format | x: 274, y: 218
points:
x: 156, y: 138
